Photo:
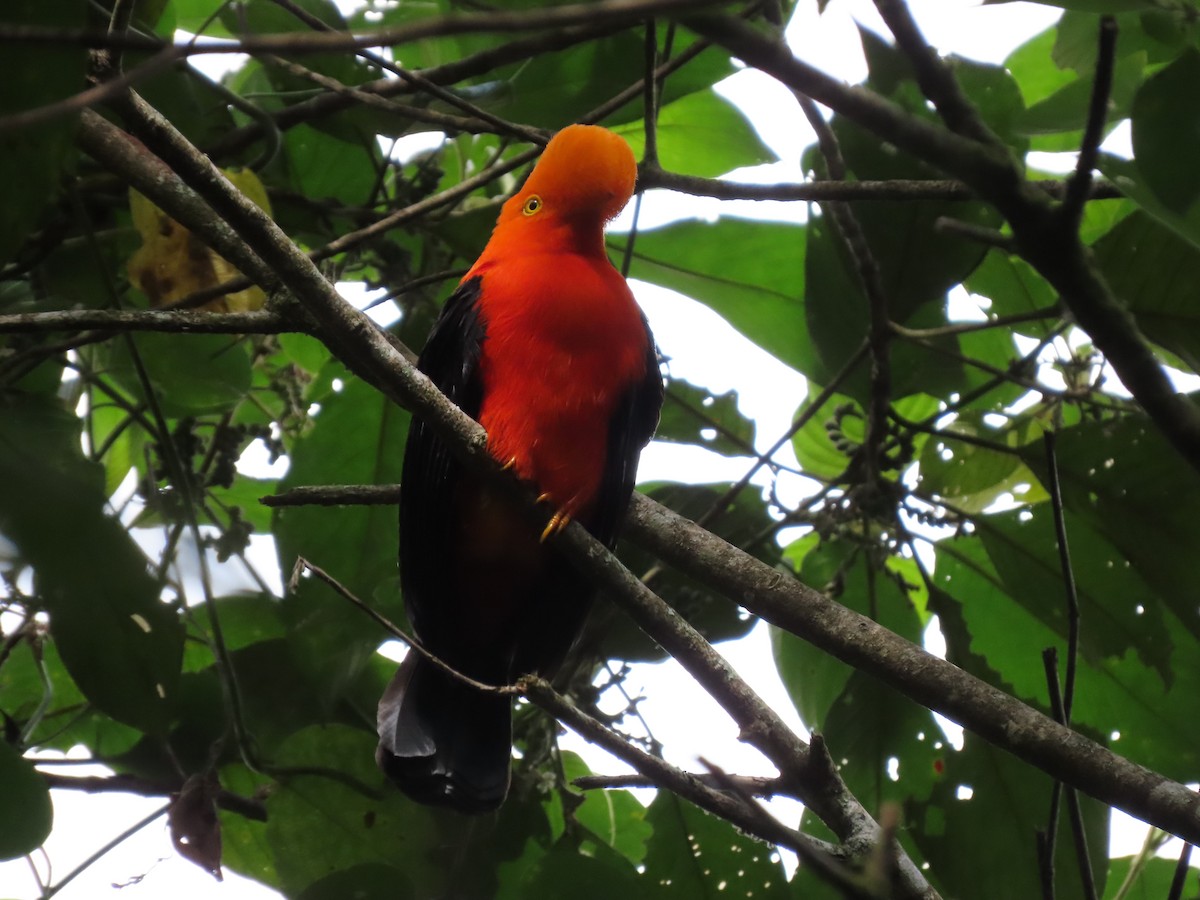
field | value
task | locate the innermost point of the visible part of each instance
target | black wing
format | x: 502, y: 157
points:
x: 632, y: 426
x: 430, y: 472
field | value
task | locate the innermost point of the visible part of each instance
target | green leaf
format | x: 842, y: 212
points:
x: 1014, y: 287
x: 244, y: 845
x: 1115, y: 476
x: 1007, y: 802
x: 25, y: 811
x: 1121, y: 610
x: 319, y: 825
x: 191, y: 374
x: 1036, y: 73
x: 323, y: 168
x: 1114, y: 696
x: 701, y: 134
x: 1152, y: 880
x: 865, y: 723
x: 245, y: 620
x: 1066, y: 109
x: 760, y: 293
x: 358, y: 438
x: 614, y: 817
x: 697, y: 856
x: 1126, y: 174
x: 119, y: 642
x: 568, y: 872
x: 1155, y: 272
x: 693, y: 415
x: 1097, y: 6
x: 839, y: 421
x: 1166, y: 131
x: 971, y: 477
x: 552, y: 90
x: 37, y: 158
x: 368, y: 881
x: 744, y: 524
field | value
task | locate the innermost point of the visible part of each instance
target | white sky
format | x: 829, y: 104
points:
x: 703, y: 350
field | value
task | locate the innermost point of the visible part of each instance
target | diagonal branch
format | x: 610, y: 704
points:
x: 1039, y: 236
x: 995, y: 716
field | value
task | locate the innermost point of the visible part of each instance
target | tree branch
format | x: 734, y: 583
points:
x: 263, y: 321
x: 995, y: 716
x: 1040, y: 238
x: 145, y: 787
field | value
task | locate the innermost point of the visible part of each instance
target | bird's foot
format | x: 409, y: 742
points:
x: 557, y: 523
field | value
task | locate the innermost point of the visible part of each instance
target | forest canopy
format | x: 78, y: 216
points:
x: 172, y: 248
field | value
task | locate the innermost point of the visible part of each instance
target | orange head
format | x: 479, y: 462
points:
x: 584, y: 177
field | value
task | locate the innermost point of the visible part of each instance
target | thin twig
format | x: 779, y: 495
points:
x: 125, y: 783
x: 181, y: 321
x: 1074, y: 811
x: 1080, y: 182
x: 1182, y: 868
x: 980, y: 234
x: 897, y: 189
x: 125, y: 835
x: 1054, y: 488
x: 303, y: 565
x: 757, y: 785
x: 936, y: 80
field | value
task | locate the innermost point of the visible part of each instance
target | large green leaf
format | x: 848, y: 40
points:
x: 885, y: 742
x: 571, y: 872
x: 1121, y: 611
x: 980, y: 792
x: 121, y: 644
x: 1166, y: 131
x: 1113, y: 696
x: 1036, y: 73
x: 357, y: 438
x: 972, y: 477
x: 35, y: 159
x: 1155, y: 273
x: 746, y: 523
x: 320, y: 825
x: 1151, y: 881
x: 692, y: 415
x: 1014, y: 287
x: 1065, y: 111
x: 190, y: 374
x: 357, y: 125
x: 1127, y: 175
x: 751, y: 273
x: 25, y: 811
x: 1134, y: 489
x: 614, y: 817
x: 695, y: 855
x: 701, y: 134
x: 915, y: 264
x: 552, y: 90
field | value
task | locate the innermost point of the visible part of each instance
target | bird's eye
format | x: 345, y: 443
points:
x: 532, y: 205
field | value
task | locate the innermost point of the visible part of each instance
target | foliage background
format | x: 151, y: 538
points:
x: 119, y: 441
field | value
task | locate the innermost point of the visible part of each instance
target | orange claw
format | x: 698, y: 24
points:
x: 511, y: 464
x: 557, y: 523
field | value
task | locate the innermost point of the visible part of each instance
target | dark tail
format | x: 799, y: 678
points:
x: 442, y: 741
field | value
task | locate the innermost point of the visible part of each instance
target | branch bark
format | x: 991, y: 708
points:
x: 995, y: 716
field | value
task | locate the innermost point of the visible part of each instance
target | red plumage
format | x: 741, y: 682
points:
x: 543, y: 344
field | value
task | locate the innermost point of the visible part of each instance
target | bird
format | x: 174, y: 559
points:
x: 543, y: 344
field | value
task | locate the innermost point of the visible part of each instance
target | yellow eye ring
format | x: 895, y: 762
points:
x: 533, y: 205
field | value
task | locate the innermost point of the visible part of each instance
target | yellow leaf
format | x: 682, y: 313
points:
x: 172, y: 263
